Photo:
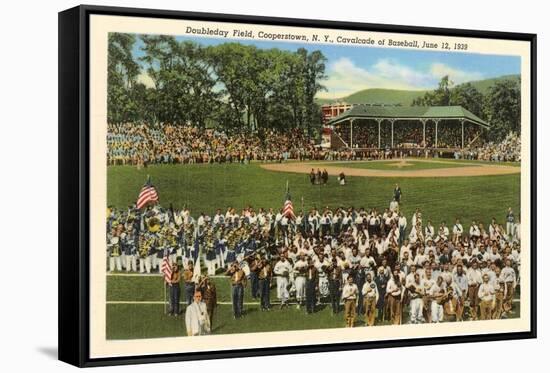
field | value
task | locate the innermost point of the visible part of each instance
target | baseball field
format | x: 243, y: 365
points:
x: 442, y: 189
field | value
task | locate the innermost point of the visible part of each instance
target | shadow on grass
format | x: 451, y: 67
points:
x: 249, y: 311
x: 218, y: 327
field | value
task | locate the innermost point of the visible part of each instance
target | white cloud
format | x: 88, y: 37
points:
x: 456, y: 76
x: 394, y: 72
x: 345, y: 77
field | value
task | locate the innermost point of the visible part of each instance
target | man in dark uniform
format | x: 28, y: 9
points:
x: 334, y: 285
x: 445, y: 257
x: 336, y: 224
x: 325, y: 224
x: 510, y: 220
x: 381, y: 281
x: 254, y: 283
x: 189, y: 283
x: 324, y: 176
x: 209, y: 296
x: 359, y: 279
x: 312, y: 279
x: 392, y: 256
x: 264, y: 278
x: 397, y: 193
x: 174, y: 285
x: 238, y: 282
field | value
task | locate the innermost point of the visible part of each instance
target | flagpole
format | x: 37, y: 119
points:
x: 165, y: 296
x: 304, y: 217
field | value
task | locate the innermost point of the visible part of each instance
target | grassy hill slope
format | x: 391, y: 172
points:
x: 405, y: 97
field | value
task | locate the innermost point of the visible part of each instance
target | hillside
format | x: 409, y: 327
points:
x: 484, y: 85
x: 380, y: 95
x: 405, y: 97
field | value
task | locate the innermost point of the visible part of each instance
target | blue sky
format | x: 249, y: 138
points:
x: 350, y: 69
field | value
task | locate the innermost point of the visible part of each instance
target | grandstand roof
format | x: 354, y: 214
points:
x: 364, y: 111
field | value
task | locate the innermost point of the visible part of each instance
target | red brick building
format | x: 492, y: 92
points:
x: 333, y: 110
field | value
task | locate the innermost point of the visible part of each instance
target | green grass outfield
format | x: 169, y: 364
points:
x: 395, y: 165
x: 204, y: 188
x: 135, y: 309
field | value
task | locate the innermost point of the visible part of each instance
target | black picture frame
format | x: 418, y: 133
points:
x: 74, y: 190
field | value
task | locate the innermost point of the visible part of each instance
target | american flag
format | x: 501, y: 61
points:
x: 148, y: 194
x: 288, y: 209
x: 166, y: 268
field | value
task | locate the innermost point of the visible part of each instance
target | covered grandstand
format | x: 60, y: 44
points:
x: 370, y: 126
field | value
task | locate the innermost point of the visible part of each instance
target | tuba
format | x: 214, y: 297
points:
x: 115, y: 246
x: 441, y: 297
x: 153, y: 225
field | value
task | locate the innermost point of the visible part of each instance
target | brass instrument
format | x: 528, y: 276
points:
x: 115, y: 246
x: 168, y: 238
x: 415, y: 291
x: 144, y: 245
x: 442, y: 296
x: 153, y: 225
x: 450, y: 303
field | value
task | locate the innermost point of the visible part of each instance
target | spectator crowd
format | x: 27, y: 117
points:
x: 140, y: 144
x: 407, y: 134
x: 143, y: 144
x: 509, y: 150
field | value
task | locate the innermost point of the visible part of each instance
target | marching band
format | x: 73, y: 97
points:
x: 361, y: 259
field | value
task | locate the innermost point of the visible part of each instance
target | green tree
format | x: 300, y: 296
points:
x: 467, y: 96
x: 229, y: 63
x: 183, y: 80
x: 314, y: 73
x: 230, y: 85
x: 439, y: 97
x: 122, y: 74
x: 502, y: 108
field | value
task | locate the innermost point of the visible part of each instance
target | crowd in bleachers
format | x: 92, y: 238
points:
x: 406, y: 135
x: 509, y: 150
x: 141, y: 144
x: 409, y: 138
x: 451, y: 136
x: 364, y: 135
x: 144, y: 144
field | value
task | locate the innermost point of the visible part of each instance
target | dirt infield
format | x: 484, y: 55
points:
x: 469, y: 169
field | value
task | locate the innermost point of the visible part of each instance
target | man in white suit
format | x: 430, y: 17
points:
x: 197, y: 321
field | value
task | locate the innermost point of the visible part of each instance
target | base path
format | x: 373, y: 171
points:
x: 469, y: 169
